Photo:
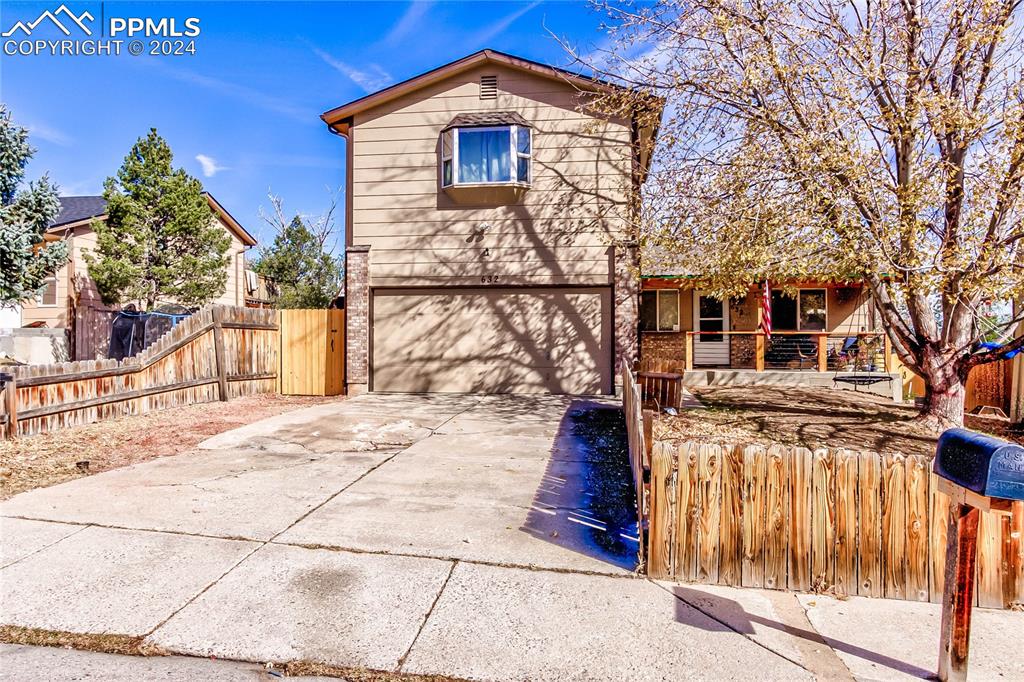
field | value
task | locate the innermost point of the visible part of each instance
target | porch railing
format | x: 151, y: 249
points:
x: 787, y: 350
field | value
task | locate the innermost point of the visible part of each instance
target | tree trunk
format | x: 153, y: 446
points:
x: 945, y: 392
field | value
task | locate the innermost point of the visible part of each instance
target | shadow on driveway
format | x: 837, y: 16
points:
x: 585, y: 502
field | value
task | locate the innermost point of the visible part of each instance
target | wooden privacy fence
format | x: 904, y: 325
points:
x: 856, y: 523
x: 218, y: 353
x: 990, y: 385
x: 312, y: 352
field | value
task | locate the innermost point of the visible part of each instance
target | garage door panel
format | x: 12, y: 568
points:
x: 492, y: 340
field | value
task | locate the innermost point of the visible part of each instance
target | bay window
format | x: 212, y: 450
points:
x: 486, y: 155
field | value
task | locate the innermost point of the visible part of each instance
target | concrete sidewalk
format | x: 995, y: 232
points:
x: 475, y: 537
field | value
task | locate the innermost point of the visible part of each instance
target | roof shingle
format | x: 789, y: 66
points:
x: 74, y: 209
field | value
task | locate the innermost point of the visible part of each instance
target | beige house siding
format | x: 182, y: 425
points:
x: 557, y: 232
x: 73, y: 280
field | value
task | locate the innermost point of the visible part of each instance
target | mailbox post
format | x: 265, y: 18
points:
x: 979, y: 473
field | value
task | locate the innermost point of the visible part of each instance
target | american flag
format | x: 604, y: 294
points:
x: 766, y: 311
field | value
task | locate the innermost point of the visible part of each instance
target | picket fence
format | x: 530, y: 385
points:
x: 788, y: 518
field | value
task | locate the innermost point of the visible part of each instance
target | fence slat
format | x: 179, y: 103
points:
x: 710, y: 476
x: 659, y: 563
x: 894, y: 526
x: 917, y: 527
x: 823, y: 524
x: 800, y: 520
x: 777, y: 515
x: 755, y: 470
x: 846, y: 523
x: 686, y: 518
x: 730, y: 561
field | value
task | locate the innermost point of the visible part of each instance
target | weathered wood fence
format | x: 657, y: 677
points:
x: 990, y: 385
x: 856, y: 523
x: 218, y: 353
x: 851, y: 523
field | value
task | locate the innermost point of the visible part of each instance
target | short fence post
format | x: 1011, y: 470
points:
x: 759, y: 352
x: 961, y: 556
x: 11, y: 403
x: 218, y: 346
x: 689, y: 351
x: 822, y: 352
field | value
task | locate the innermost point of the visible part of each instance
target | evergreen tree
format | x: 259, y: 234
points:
x: 160, y: 241
x: 306, y: 273
x: 25, y: 262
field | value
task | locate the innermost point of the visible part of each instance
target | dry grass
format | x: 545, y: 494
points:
x: 50, y: 458
x: 126, y: 645
x: 808, y: 417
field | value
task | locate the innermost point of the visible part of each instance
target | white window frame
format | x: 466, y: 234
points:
x: 514, y: 156
x: 800, y: 308
x: 657, y: 311
x: 56, y: 294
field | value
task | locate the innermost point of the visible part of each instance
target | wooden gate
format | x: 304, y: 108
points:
x: 312, y: 352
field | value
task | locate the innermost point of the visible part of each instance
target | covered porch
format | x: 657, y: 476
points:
x: 823, y: 334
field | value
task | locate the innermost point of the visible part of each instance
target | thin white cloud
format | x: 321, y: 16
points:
x: 210, y: 165
x: 48, y: 134
x: 243, y: 93
x: 488, y: 33
x: 409, y: 22
x: 372, y: 79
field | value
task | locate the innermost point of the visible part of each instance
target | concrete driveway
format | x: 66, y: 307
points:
x: 484, y: 537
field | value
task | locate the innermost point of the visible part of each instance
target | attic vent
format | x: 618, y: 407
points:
x: 488, y: 87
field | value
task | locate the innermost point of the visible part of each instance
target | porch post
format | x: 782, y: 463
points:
x: 689, y: 351
x: 759, y: 341
x: 822, y: 352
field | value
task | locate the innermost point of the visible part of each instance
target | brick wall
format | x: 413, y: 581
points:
x: 663, y: 346
x: 357, y: 317
x: 627, y: 302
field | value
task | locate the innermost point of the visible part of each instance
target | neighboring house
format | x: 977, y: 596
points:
x: 71, y: 288
x: 672, y: 305
x: 485, y: 231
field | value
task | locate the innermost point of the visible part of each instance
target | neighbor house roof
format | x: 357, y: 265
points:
x: 76, y: 211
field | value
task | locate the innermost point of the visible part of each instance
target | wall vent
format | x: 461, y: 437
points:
x: 488, y: 87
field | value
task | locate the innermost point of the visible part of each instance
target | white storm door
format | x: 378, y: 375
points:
x: 710, y: 315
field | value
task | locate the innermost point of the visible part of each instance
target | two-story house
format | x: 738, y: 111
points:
x: 487, y: 245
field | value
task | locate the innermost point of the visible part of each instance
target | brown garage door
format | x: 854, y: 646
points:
x: 492, y: 340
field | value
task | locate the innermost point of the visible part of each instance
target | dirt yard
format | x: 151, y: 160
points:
x: 806, y: 417
x: 51, y: 458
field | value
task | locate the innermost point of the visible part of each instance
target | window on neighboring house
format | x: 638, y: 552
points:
x: 659, y: 311
x: 48, y: 296
x: 806, y: 312
x: 812, y: 310
x: 486, y: 155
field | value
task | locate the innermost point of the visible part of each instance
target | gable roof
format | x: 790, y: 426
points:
x: 334, y: 118
x: 76, y: 211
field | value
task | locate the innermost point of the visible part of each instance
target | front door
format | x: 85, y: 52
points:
x: 710, y: 315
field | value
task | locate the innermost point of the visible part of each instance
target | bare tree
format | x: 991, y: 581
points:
x: 880, y: 140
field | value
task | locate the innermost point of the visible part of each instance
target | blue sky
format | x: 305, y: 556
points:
x: 249, y: 100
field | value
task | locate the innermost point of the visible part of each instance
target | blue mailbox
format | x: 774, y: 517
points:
x: 989, y: 466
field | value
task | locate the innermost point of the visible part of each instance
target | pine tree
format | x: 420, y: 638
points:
x: 300, y: 264
x: 160, y: 241
x: 25, y: 261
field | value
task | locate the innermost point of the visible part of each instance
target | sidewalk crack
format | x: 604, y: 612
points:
x: 430, y: 611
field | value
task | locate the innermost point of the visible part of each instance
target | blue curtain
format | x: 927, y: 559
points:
x: 484, y: 156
